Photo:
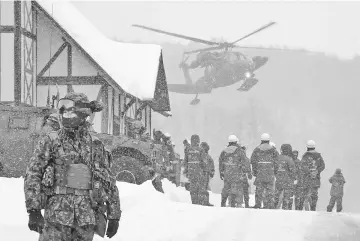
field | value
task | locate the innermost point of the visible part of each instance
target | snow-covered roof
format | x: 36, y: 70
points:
x: 134, y: 67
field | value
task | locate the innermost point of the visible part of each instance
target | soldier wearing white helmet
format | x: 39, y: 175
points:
x: 264, y: 167
x: 312, y: 164
x: 232, y: 163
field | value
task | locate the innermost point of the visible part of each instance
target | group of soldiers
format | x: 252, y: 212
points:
x: 276, y: 174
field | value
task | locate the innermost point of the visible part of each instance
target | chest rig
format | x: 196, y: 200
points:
x: 70, y: 167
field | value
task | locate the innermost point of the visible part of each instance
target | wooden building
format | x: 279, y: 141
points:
x: 49, y: 47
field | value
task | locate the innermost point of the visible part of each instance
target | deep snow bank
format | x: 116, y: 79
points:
x: 151, y: 216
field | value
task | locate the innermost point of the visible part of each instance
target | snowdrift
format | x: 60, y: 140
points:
x: 153, y: 216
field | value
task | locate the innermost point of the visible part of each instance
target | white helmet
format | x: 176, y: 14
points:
x: 310, y: 144
x: 272, y: 144
x: 233, y: 138
x: 167, y: 135
x: 265, y: 137
x: 173, y: 143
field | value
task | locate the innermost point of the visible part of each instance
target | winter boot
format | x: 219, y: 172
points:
x: 329, y: 209
x: 223, y: 200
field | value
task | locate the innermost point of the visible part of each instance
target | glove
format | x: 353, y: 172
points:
x: 36, y: 221
x: 112, y: 228
x: 212, y: 174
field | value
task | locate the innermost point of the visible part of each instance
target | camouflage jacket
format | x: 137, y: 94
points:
x: 233, y: 164
x: 195, y: 163
x: 210, y: 167
x: 263, y: 162
x: 58, y: 148
x: 312, y: 164
x: 286, y: 173
x: 337, y: 187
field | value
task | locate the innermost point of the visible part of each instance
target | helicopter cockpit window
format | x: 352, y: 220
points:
x: 232, y: 57
x: 241, y: 57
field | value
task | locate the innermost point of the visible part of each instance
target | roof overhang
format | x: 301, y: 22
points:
x: 136, y: 69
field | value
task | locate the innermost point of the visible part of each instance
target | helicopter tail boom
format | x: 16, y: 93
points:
x: 259, y: 62
x: 189, y: 89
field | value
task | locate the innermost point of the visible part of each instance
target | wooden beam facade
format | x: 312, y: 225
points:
x: 11, y: 29
x: 17, y: 52
x: 72, y: 80
x: 111, y: 122
x: 53, y: 58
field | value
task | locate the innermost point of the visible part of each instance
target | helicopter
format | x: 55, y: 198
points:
x: 221, y: 68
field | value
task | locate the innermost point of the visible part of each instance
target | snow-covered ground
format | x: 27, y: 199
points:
x: 151, y: 216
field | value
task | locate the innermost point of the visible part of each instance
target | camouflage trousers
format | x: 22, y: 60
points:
x: 287, y: 190
x: 207, y: 195
x: 59, y: 232
x: 198, y: 192
x: 333, y: 200
x: 233, y: 191
x: 246, y: 193
x: 311, y: 193
x: 264, y: 193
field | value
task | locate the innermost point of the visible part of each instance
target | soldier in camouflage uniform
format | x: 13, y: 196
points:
x: 185, y: 180
x: 285, y: 176
x: 297, y: 187
x: 194, y: 169
x: 72, y: 168
x: 210, y: 170
x: 263, y: 162
x: 312, y: 164
x: 245, y: 181
x: 232, y: 165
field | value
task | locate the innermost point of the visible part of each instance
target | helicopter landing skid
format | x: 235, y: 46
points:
x: 248, y: 84
x: 195, y: 101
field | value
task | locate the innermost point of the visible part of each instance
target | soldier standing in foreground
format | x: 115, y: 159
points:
x: 263, y: 161
x: 72, y: 168
x: 194, y: 169
x: 312, y: 164
x: 210, y: 170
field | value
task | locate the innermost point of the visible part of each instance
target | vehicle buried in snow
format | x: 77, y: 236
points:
x: 21, y: 127
x: 48, y: 56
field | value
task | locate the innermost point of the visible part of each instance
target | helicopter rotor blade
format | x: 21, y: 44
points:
x: 177, y: 35
x: 255, y: 47
x: 204, y: 50
x: 254, y: 32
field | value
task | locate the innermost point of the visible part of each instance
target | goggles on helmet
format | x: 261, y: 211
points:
x: 67, y: 104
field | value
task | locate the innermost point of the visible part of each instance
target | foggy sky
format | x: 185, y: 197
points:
x: 319, y: 26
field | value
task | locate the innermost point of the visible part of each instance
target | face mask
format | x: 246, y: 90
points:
x: 70, y: 119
